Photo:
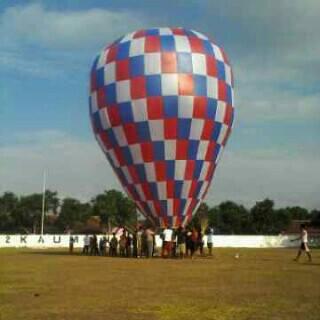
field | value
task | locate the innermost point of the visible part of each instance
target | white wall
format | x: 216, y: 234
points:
x: 59, y: 241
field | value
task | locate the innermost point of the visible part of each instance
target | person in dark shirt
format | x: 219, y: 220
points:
x: 94, y: 246
x: 103, y: 246
x: 194, y: 242
x: 181, y: 241
x: 113, y: 245
x: 128, y: 245
x: 123, y: 244
x: 134, y: 245
x: 71, y: 243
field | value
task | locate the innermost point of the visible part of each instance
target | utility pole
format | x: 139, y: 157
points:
x: 43, y: 200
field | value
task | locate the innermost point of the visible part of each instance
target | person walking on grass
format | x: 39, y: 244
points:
x: 304, y: 243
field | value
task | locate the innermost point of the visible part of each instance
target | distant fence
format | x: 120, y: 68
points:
x: 62, y: 241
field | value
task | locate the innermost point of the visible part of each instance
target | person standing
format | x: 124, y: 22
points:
x: 149, y: 241
x: 139, y: 242
x: 94, y: 246
x: 71, y: 242
x: 113, y: 245
x: 210, y: 233
x: 181, y: 241
x: 134, y: 244
x: 167, y: 242
x: 86, y: 244
x: 304, y: 243
x: 194, y: 242
x: 200, y: 241
x: 122, y: 244
x: 103, y: 246
x: 128, y: 245
x: 188, y: 242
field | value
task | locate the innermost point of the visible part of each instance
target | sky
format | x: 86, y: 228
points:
x: 46, y: 51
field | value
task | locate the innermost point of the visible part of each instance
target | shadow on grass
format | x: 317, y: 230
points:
x: 57, y: 253
x: 79, y: 254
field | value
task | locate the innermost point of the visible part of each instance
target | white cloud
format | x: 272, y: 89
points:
x: 268, y: 104
x: 41, y: 68
x: 246, y: 177
x: 75, y: 168
x: 278, y: 44
x: 34, y: 24
x: 78, y: 168
x: 274, y: 47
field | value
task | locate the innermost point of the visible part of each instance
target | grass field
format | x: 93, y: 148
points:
x: 261, y: 284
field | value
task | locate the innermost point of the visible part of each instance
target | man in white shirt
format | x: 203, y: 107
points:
x: 86, y: 243
x: 304, y: 243
x: 210, y: 232
x: 167, y: 242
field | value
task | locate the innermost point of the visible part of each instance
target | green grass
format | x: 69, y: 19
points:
x: 261, y: 284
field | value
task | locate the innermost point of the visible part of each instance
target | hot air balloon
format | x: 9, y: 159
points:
x: 161, y: 108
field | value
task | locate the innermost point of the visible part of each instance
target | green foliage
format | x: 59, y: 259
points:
x: 114, y: 208
x: 8, y: 204
x: 315, y: 217
x: 23, y: 214
x: 72, y: 212
x: 200, y: 219
x: 230, y: 218
x: 262, y: 215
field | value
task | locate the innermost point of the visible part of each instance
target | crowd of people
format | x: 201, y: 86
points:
x: 180, y: 243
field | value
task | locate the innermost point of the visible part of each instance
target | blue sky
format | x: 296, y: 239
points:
x: 47, y: 47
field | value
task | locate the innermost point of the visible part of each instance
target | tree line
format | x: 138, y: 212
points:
x: 22, y: 214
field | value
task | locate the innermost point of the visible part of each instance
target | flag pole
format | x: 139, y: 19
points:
x: 43, y: 199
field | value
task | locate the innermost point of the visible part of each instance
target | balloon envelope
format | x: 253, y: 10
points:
x: 161, y: 107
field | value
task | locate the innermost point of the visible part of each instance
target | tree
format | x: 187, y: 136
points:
x: 27, y: 215
x: 281, y: 220
x: 262, y: 217
x: 315, y: 218
x: 200, y: 218
x: 8, y: 204
x: 72, y: 212
x: 52, y: 201
x: 298, y: 213
x: 114, y: 208
x: 28, y: 212
x: 230, y: 218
